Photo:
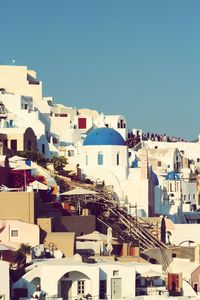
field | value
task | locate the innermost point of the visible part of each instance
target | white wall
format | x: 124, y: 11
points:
x: 109, y: 159
x: 62, y: 127
x: 24, y: 235
x: 189, y: 190
x: 4, y: 281
x: 137, y: 193
x: 126, y: 273
x: 14, y: 80
x: 183, y: 232
x: 189, y: 149
x: 15, y: 103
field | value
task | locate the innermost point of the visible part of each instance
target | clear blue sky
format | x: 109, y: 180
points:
x: 140, y: 58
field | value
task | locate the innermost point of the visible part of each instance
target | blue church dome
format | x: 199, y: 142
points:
x: 172, y: 176
x: 104, y: 136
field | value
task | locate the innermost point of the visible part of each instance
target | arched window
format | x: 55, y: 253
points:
x: 100, y: 158
x: 117, y: 158
x: 86, y: 160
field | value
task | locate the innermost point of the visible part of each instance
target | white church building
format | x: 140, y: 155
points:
x: 104, y: 156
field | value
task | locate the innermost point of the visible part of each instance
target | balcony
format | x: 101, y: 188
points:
x: 152, y: 290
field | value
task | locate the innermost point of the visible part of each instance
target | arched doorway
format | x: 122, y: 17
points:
x: 72, y: 285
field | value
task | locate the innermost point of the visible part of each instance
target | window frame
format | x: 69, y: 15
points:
x: 12, y: 231
x: 118, y: 159
x: 81, y: 287
x: 100, y: 158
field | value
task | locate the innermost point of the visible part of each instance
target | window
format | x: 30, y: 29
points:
x: 14, y: 233
x: 86, y: 160
x: 81, y: 287
x: 26, y: 106
x: 117, y: 159
x: 82, y: 123
x: 102, y: 289
x: 43, y: 148
x: 159, y: 163
x: 100, y: 158
x: 116, y: 273
x: 13, y: 145
x: 55, y: 140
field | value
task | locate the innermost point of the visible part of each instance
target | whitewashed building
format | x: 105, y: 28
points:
x: 73, y: 279
x: 15, y: 232
x: 104, y: 157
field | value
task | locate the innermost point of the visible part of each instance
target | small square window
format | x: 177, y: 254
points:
x: 116, y: 273
x: 14, y: 233
x: 159, y: 163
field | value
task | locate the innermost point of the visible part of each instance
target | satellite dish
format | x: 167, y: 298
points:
x: 77, y: 257
x: 58, y: 254
x: 37, y: 251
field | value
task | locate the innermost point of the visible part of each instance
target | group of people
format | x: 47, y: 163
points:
x: 160, y: 137
x: 134, y: 139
